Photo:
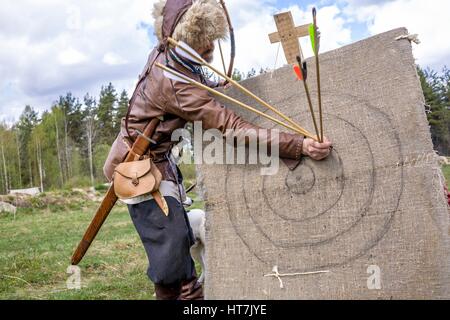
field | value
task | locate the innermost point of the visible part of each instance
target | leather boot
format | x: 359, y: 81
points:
x: 167, y: 292
x: 191, y: 290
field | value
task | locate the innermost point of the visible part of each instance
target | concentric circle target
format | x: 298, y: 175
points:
x: 307, y: 219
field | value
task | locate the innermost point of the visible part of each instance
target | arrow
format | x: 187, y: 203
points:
x: 313, y: 31
x: 302, y: 71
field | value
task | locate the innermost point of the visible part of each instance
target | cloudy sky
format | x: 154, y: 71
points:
x: 50, y: 47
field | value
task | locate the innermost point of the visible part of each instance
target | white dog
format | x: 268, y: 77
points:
x: 197, y: 220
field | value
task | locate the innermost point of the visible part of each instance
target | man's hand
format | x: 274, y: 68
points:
x: 315, y: 150
x: 226, y: 85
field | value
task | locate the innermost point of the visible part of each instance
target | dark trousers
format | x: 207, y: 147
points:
x: 167, y: 241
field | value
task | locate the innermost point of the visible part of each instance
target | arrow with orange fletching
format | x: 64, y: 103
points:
x: 301, y: 71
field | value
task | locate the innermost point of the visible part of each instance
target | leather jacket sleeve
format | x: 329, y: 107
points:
x: 194, y: 104
x: 212, y: 84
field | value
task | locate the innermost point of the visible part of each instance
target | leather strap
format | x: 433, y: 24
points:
x: 131, y: 104
x: 161, y: 202
x: 130, y: 150
x: 173, y: 12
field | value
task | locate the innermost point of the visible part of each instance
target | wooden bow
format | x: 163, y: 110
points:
x: 232, y: 41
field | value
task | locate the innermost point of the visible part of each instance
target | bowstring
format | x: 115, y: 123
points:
x: 276, y: 60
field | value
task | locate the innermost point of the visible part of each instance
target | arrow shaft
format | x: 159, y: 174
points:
x: 319, y: 90
x: 319, y: 93
x: 308, y: 96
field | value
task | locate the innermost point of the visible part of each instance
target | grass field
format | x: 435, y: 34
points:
x: 36, y: 247
x: 446, y: 170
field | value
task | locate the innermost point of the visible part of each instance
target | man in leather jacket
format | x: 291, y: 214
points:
x: 167, y: 239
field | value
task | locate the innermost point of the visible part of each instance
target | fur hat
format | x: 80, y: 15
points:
x: 204, y: 22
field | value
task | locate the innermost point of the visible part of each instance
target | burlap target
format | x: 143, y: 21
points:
x: 375, y: 204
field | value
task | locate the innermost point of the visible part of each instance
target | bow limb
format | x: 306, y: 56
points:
x: 232, y: 39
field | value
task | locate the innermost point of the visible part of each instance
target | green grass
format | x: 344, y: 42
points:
x: 35, y: 251
x: 36, y: 247
x: 446, y: 170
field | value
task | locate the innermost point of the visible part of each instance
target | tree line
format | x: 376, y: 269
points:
x: 67, y: 145
x: 64, y: 147
x: 436, y: 89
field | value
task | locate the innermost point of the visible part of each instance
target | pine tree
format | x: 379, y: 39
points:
x: 105, y: 113
x: 237, y: 75
x: 251, y: 73
x: 72, y: 119
x: 433, y: 87
x: 27, y: 121
x: 446, y: 105
x: 122, y: 110
x: 446, y: 87
x: 73, y: 114
x: 55, y: 112
x: 90, y: 125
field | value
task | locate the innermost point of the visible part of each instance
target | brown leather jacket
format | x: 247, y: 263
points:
x: 179, y: 103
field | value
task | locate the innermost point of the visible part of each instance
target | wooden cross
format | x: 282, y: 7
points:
x: 288, y: 35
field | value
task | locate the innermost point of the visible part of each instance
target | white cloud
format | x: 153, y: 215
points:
x: 334, y: 32
x: 113, y: 59
x: 253, y: 22
x: 429, y: 19
x: 50, y: 47
x: 71, y: 56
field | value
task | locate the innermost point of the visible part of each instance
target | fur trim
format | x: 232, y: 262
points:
x: 203, y: 23
x: 158, y: 9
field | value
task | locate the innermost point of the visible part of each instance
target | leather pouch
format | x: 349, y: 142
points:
x: 136, y: 178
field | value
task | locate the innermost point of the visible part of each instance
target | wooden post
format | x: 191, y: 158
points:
x: 288, y: 35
